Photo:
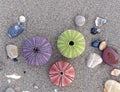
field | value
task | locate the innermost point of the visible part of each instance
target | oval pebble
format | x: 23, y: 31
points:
x: 79, y: 20
x: 15, y: 30
x: 12, y: 51
x: 102, y: 45
x: 112, y: 86
x: 110, y: 56
x: 22, y: 19
x: 9, y: 90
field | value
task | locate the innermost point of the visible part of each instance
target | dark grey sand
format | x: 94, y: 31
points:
x: 49, y: 18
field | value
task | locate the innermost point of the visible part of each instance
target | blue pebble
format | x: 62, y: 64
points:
x: 15, y: 30
x: 96, y: 43
x: 94, y: 30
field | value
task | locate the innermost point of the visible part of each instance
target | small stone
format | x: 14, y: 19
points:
x: 94, y: 60
x: 95, y: 30
x: 100, y: 21
x: 35, y: 86
x: 15, y: 30
x: 22, y: 19
x: 55, y: 90
x: 102, y: 45
x: 79, y: 20
x: 112, y: 86
x: 12, y: 51
x: 115, y: 72
x: 15, y: 59
x: 110, y: 56
x: 95, y: 43
x: 10, y: 90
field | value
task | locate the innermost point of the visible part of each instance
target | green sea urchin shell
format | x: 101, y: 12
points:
x: 71, y: 43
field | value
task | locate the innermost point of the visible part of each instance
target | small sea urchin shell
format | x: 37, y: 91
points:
x: 71, y: 43
x: 37, y: 51
x: 62, y: 73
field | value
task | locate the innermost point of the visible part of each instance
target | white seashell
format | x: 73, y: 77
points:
x: 94, y: 60
x: 79, y: 20
x: 100, y: 21
x: 12, y: 51
x: 13, y: 76
x: 22, y: 19
x: 112, y: 86
x: 115, y: 72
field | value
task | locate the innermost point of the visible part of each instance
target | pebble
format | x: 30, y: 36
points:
x: 12, y: 51
x: 112, y: 86
x: 22, y: 19
x: 9, y: 90
x: 110, y: 56
x: 15, y: 30
x: 94, y: 60
x: 100, y: 21
x: 115, y: 72
x: 35, y: 86
x: 79, y: 20
x: 102, y: 45
x: 95, y: 30
x: 96, y: 43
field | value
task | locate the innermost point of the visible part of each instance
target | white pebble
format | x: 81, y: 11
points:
x: 94, y: 60
x: 79, y: 20
x: 22, y: 19
x: 100, y: 21
x: 115, y: 72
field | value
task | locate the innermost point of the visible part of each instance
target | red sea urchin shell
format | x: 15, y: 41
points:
x: 62, y: 73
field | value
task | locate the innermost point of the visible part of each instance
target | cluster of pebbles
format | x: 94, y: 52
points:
x: 109, y: 55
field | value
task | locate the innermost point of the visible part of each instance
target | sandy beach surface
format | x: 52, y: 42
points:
x: 49, y: 18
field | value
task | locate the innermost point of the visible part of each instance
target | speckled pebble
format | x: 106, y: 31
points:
x: 79, y: 20
x: 9, y: 90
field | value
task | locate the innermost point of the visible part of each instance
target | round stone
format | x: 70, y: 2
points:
x: 110, y: 56
x: 22, y: 19
x: 79, y: 20
x: 102, y: 45
x: 10, y: 90
x: 95, y: 43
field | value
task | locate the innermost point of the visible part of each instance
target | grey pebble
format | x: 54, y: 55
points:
x: 10, y: 90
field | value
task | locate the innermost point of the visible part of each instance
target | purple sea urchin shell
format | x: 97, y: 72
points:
x: 37, y: 51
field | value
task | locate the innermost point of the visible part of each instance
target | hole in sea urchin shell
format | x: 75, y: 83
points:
x: 71, y: 43
x: 61, y: 73
x: 36, y: 50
